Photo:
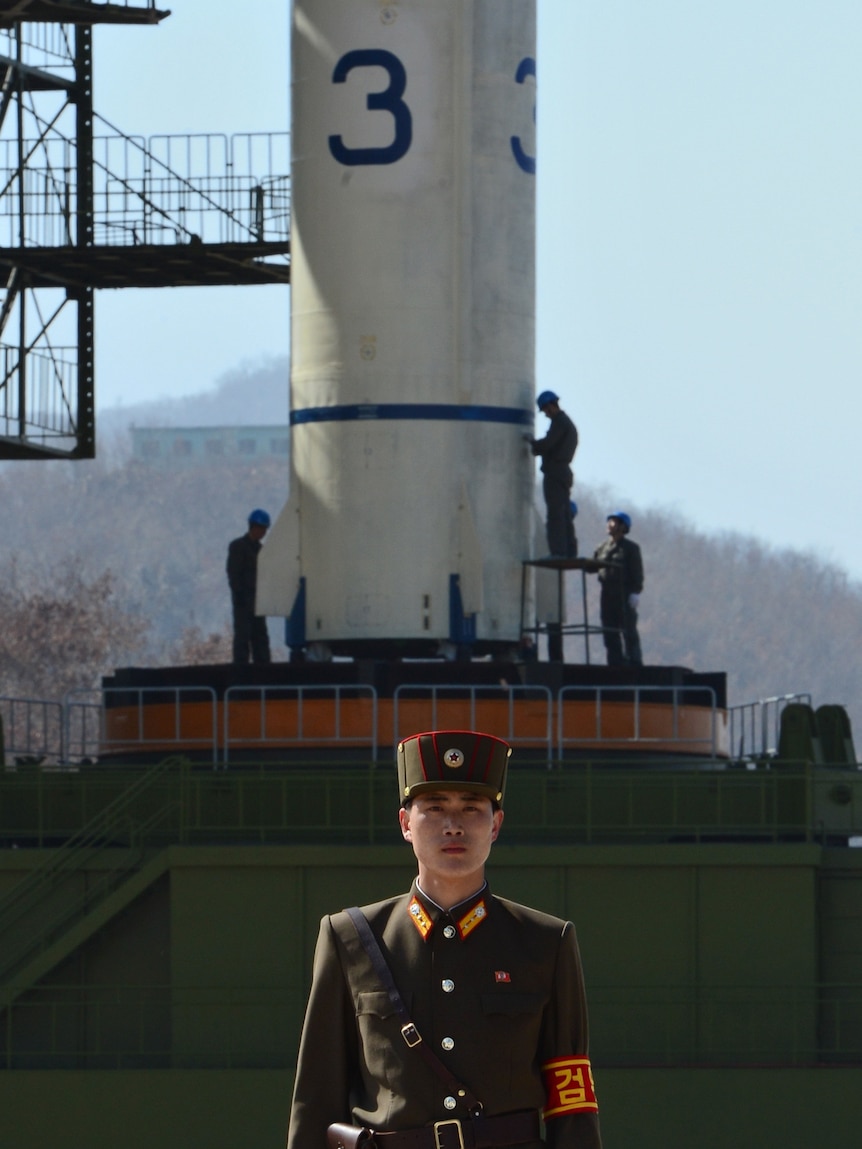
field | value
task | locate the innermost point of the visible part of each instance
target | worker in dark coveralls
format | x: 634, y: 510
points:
x: 622, y: 584
x: 493, y: 990
x: 557, y: 450
x: 250, y: 636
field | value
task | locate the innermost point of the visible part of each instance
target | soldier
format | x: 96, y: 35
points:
x: 494, y: 1034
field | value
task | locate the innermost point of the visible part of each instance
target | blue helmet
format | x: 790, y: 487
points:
x: 259, y: 518
x: 573, y: 508
x: 623, y: 517
x: 547, y: 397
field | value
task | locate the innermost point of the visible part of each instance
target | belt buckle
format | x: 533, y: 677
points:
x: 412, y: 1036
x: 438, y: 1125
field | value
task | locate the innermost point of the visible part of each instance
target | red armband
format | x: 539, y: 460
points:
x: 569, y: 1087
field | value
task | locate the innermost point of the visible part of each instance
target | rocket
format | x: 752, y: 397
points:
x: 412, y: 385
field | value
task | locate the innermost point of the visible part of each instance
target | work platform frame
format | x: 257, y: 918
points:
x: 80, y: 212
x: 556, y: 631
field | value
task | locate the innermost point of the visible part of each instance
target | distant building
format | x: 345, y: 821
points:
x: 198, y: 446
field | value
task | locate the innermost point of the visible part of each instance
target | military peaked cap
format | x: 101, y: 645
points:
x: 453, y: 760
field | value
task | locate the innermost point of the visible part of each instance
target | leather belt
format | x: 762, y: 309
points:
x: 481, y: 1133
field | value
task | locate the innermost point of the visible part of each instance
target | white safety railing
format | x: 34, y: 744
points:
x: 287, y: 715
x: 755, y: 726
x: 516, y: 725
x: 623, y: 714
x: 32, y: 730
x: 141, y: 718
x: 92, y: 724
x: 82, y: 725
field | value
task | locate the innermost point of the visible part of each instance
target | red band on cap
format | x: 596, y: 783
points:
x: 422, y: 758
x: 471, y: 772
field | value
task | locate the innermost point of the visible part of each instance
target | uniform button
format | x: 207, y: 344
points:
x: 448, y: 1043
x: 448, y: 985
x: 449, y: 1102
x: 449, y: 932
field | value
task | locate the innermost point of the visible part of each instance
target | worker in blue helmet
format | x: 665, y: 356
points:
x: 556, y: 450
x: 621, y: 586
x: 250, y: 636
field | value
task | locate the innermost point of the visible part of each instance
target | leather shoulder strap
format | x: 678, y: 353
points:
x: 409, y: 1032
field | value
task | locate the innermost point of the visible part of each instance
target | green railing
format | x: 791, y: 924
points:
x: 585, y: 803
x: 727, y: 1025
x: 231, y: 1027
x: 152, y: 1027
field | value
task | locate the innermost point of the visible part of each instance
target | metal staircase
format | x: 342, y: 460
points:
x: 56, y: 907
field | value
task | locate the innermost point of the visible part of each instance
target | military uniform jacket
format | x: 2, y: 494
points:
x: 494, y: 988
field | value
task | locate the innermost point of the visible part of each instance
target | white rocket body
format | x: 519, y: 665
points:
x: 412, y: 323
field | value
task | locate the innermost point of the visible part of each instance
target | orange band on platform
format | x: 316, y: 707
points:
x: 569, y: 1086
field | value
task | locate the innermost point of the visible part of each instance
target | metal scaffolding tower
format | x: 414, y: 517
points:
x: 83, y: 207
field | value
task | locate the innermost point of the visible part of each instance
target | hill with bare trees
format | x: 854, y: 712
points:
x: 777, y: 621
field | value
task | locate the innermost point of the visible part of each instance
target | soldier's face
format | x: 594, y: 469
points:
x: 451, y: 833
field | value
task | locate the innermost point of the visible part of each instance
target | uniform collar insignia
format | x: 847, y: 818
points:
x: 474, y: 917
x: 425, y: 913
x: 420, y: 917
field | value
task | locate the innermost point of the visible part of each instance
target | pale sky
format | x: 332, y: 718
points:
x: 699, y: 243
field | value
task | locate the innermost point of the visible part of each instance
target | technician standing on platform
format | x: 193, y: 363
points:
x: 250, y: 635
x: 622, y: 584
x: 557, y: 450
x: 491, y: 1030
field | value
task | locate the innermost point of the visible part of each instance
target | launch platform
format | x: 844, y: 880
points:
x: 359, y: 710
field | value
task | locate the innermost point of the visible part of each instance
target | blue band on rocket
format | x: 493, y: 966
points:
x: 448, y: 411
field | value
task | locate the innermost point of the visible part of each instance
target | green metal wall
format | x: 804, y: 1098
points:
x: 176, y: 1022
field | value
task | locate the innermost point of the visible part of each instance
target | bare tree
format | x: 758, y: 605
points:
x: 194, y: 648
x: 64, y: 632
